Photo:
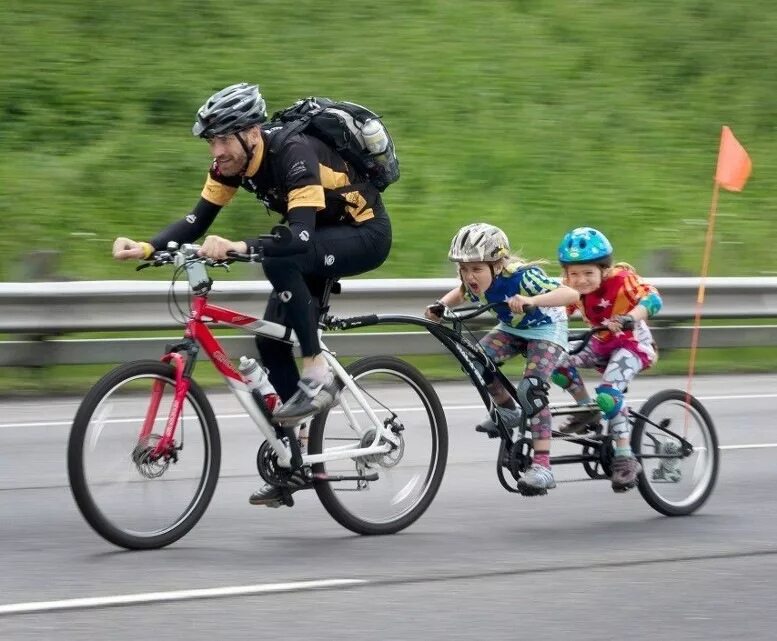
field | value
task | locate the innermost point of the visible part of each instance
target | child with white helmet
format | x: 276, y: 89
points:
x: 490, y: 274
x: 615, y: 296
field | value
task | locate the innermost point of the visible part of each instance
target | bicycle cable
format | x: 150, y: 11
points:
x: 172, y: 299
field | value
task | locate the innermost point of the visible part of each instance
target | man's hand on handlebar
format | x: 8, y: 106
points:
x: 217, y: 248
x: 127, y: 249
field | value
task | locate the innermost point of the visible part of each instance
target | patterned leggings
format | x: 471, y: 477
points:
x: 542, y: 357
x: 618, y: 370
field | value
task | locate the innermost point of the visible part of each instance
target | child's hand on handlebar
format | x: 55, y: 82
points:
x: 516, y: 303
x: 434, y: 311
x: 620, y: 323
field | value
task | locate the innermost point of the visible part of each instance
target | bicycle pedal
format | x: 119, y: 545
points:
x: 490, y: 430
x: 525, y: 491
x: 622, y: 489
x: 287, y: 499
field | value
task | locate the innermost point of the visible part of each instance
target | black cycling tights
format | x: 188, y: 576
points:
x: 298, y: 281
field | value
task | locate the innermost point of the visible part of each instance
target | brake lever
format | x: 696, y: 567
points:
x: 160, y: 258
x: 253, y: 257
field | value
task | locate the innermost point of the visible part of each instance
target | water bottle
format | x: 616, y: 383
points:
x: 376, y: 141
x: 255, y: 377
x: 375, y: 137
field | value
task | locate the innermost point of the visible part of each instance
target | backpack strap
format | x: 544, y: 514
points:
x: 294, y: 127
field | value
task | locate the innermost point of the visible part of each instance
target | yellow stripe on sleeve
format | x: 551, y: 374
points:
x: 308, y: 196
x: 216, y: 192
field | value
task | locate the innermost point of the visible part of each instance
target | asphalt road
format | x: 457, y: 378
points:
x: 581, y: 563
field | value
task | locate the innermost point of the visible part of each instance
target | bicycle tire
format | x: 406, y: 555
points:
x: 438, y: 439
x: 94, y: 515
x: 656, y: 407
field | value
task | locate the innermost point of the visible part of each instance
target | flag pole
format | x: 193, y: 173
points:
x: 702, y: 284
x: 731, y: 172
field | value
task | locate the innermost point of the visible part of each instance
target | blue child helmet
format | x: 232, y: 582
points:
x: 584, y: 245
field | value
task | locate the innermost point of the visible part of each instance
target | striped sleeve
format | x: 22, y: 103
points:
x: 535, y: 281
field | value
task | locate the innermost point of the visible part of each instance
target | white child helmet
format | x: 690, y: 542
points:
x: 479, y: 243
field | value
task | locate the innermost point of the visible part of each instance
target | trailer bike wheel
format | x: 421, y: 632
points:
x: 675, y: 440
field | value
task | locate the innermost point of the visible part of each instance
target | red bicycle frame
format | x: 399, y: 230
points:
x: 198, y: 331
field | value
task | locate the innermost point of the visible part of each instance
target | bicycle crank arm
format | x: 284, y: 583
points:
x: 346, y: 477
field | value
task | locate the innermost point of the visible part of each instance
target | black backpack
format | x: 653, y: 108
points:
x: 338, y: 124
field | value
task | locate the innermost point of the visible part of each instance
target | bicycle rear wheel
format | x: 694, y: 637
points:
x: 675, y: 481
x: 128, y: 494
x: 409, y: 475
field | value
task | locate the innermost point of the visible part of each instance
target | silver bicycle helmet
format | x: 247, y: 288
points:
x: 479, y: 243
x: 230, y: 110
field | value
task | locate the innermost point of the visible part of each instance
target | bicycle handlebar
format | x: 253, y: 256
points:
x: 190, y: 251
x: 581, y: 338
x: 469, y: 312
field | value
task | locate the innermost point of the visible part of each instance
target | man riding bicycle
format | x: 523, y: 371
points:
x: 339, y: 228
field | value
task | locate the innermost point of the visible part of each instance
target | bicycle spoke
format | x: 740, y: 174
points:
x: 408, y: 473
x: 131, y: 492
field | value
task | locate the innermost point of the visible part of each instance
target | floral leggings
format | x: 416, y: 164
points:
x: 618, y: 370
x: 542, y: 357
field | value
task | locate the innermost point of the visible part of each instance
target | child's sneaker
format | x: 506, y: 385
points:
x: 625, y: 470
x: 510, y: 417
x: 536, y: 481
x: 578, y: 423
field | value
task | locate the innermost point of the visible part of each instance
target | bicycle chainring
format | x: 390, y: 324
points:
x: 520, y: 457
x: 267, y: 465
x: 606, y: 456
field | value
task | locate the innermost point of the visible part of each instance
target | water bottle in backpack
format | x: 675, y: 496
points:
x: 255, y: 377
x: 356, y: 133
x: 376, y: 141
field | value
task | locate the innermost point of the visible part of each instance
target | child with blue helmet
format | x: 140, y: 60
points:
x: 614, y: 296
x: 490, y: 274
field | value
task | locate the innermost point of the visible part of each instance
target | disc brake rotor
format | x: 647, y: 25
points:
x: 148, y: 465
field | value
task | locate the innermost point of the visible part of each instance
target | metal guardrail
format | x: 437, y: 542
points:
x: 47, y: 311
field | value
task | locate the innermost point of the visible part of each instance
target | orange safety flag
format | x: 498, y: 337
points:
x: 734, y: 165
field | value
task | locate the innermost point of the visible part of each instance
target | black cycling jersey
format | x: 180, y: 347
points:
x: 339, y: 228
x: 304, y: 174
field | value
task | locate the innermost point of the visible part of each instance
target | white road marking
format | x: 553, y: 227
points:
x: 174, y: 595
x: 455, y: 408
x: 747, y: 446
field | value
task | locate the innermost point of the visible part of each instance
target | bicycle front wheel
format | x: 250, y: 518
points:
x: 677, y: 477
x: 409, y: 475
x: 132, y: 493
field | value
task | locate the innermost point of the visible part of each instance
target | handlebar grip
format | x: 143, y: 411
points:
x: 358, y: 321
x: 279, y: 234
x: 626, y: 321
x: 437, y: 308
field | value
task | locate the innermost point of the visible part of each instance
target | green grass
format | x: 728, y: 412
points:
x: 536, y: 116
